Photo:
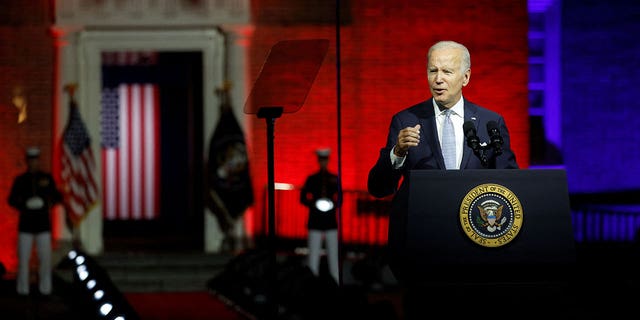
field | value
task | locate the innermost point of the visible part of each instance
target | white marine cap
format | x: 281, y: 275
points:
x: 32, y: 152
x: 323, y: 152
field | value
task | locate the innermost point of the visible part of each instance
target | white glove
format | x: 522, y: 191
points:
x: 324, y: 204
x: 35, y: 203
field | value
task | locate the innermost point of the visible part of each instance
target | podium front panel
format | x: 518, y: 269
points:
x: 436, y: 239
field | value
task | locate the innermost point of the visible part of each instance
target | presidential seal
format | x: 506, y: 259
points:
x: 491, y: 215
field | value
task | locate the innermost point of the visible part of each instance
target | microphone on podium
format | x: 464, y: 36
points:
x: 495, y: 137
x: 472, y: 138
x: 473, y: 142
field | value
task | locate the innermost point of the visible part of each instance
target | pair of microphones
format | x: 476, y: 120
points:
x: 473, y: 141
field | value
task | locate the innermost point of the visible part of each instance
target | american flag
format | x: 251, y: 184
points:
x: 79, y: 186
x: 130, y: 152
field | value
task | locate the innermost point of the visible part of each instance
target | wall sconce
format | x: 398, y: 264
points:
x: 19, y: 100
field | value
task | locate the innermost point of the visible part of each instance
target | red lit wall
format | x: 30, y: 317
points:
x: 26, y: 61
x: 382, y: 56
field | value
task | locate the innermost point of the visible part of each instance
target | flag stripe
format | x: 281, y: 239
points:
x: 131, y: 160
x: 134, y: 145
x: 149, y: 153
x: 123, y: 174
x: 108, y: 167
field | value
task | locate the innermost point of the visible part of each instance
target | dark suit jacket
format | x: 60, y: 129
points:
x: 384, y: 180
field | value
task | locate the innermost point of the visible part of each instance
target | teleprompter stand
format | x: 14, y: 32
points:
x: 282, y: 87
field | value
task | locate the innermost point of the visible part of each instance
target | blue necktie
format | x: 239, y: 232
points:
x: 448, y: 141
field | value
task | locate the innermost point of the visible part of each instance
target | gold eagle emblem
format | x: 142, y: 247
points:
x: 491, y: 214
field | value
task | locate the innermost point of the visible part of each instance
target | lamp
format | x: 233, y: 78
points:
x: 19, y: 100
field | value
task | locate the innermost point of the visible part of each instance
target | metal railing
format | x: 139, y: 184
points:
x: 364, y: 219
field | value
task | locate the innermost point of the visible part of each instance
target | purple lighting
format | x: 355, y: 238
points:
x: 606, y: 223
x: 538, y: 6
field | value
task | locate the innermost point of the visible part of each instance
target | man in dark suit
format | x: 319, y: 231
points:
x: 415, y: 139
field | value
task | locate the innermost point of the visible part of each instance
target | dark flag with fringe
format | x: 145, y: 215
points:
x: 229, y: 192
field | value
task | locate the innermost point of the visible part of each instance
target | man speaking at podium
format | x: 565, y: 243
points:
x: 445, y: 132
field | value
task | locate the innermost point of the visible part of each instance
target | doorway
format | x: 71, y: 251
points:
x: 176, y: 223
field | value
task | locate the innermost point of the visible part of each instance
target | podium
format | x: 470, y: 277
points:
x: 488, y: 226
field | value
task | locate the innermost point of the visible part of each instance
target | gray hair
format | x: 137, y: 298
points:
x: 466, y: 56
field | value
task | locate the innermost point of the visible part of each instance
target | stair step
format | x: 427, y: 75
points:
x: 162, y: 272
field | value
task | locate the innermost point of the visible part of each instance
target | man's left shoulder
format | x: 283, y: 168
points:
x: 476, y: 108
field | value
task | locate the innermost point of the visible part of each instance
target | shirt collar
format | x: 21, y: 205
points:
x: 457, y: 108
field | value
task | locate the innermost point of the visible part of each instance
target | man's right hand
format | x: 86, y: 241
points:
x: 407, y: 138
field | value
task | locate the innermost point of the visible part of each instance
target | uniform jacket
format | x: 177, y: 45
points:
x: 30, y: 184
x: 322, y: 184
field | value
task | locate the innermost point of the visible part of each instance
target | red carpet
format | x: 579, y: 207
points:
x: 182, y: 306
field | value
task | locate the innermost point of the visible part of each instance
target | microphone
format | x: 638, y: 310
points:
x: 472, y: 138
x: 495, y: 137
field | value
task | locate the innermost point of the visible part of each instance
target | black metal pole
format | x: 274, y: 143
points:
x: 339, y: 126
x: 270, y: 114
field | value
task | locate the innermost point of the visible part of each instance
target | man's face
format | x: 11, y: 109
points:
x: 323, y: 162
x: 33, y: 164
x: 446, y: 77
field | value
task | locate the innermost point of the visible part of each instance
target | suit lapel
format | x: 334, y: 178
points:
x: 431, y: 132
x: 470, y: 114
